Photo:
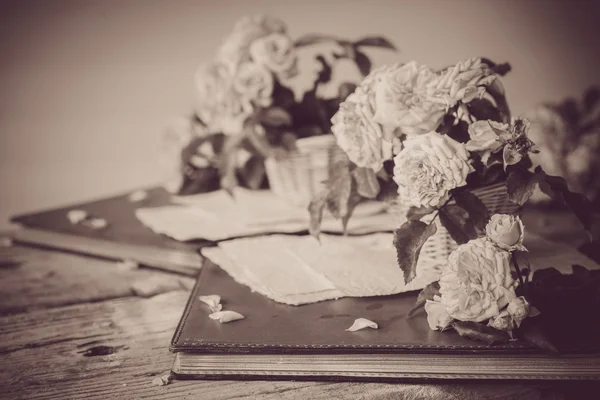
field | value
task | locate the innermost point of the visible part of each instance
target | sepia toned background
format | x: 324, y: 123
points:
x: 86, y: 87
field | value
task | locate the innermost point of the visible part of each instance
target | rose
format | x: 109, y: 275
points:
x: 254, y: 84
x: 437, y: 316
x: 476, y: 282
x: 276, y: 53
x: 406, y: 98
x: 465, y: 80
x: 219, y: 106
x: 355, y: 129
x: 429, y: 167
x: 236, y: 47
x: 484, y: 139
x: 506, y: 231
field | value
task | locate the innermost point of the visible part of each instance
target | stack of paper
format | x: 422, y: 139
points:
x: 218, y: 216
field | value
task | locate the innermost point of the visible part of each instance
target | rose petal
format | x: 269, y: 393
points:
x: 362, y: 323
x: 95, y: 223
x: 138, y: 195
x: 211, y: 300
x: 162, y: 380
x: 76, y: 216
x: 226, y: 316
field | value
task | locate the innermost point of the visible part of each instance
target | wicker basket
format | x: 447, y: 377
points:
x: 299, y: 177
x: 438, y: 247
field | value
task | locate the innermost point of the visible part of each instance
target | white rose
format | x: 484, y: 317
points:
x: 356, y: 132
x: 254, y: 83
x: 476, y: 282
x: 428, y: 167
x: 276, y: 53
x: 407, y: 99
x: 506, y: 231
x: 236, y: 47
x: 465, y: 80
x: 484, y: 139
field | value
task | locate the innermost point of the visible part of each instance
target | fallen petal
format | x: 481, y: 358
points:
x: 96, y: 223
x: 138, y: 195
x: 214, y: 309
x: 162, y: 380
x: 76, y: 216
x: 362, y: 323
x: 211, y: 300
x: 226, y: 316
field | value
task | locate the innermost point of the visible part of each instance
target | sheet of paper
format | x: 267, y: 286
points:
x: 217, y: 216
x: 298, y: 270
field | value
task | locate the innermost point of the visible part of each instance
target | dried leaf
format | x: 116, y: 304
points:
x: 138, y: 196
x: 226, y: 316
x: 408, y: 240
x: 428, y: 292
x: 375, y: 41
x: 76, y: 216
x: 362, y: 323
x: 367, y: 184
x: 477, y: 331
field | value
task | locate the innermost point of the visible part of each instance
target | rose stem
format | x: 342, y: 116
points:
x: 514, y: 257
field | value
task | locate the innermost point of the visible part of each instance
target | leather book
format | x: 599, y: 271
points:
x: 277, y: 341
x: 124, y: 238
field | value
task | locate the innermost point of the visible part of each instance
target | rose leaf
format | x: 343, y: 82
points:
x: 353, y: 201
x: 532, y: 333
x: 315, y: 210
x: 275, y: 117
x: 367, y: 184
x: 408, y: 240
x: 362, y: 62
x: 314, y: 38
x: 557, y: 188
x: 340, y: 186
x: 416, y: 213
x: 428, y: 292
x: 456, y: 221
x: 375, y: 41
x: 479, y: 215
x: 520, y: 185
x: 483, y: 109
x: 477, y: 331
x: 253, y: 173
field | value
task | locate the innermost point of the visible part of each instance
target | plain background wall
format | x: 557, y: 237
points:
x: 86, y: 87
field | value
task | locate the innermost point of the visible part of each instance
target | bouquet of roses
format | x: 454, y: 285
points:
x: 447, y: 139
x: 246, y: 110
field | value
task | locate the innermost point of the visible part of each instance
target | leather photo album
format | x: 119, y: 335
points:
x: 310, y: 342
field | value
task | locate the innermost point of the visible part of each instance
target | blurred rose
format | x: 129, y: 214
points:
x: 437, y: 316
x: 484, y: 139
x: 219, y: 106
x: 406, y: 98
x: 429, y: 167
x: 506, y: 231
x: 236, y: 47
x: 276, y: 53
x: 465, y: 81
x: 476, y: 282
x: 254, y: 84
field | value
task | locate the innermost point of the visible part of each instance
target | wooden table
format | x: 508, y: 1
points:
x: 78, y: 327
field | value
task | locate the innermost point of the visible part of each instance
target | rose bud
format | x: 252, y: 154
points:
x: 506, y: 231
